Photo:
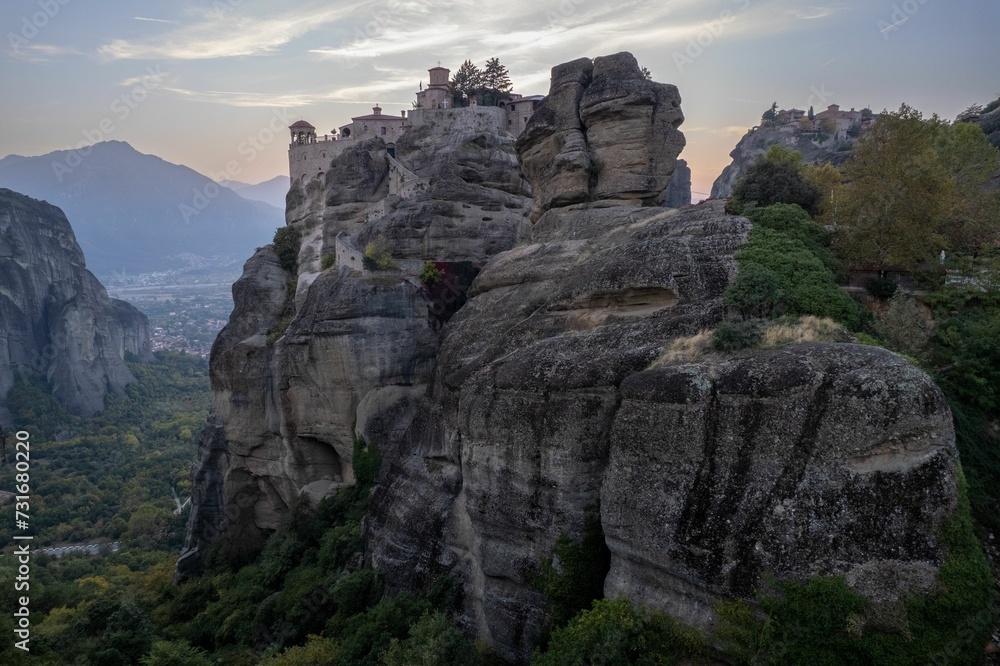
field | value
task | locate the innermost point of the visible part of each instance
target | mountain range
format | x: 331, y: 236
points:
x: 271, y: 191
x: 137, y: 213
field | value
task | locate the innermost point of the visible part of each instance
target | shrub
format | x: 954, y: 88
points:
x: 733, y: 336
x: 904, y: 325
x: 278, y: 330
x: 328, y: 260
x: 768, y: 182
x: 613, y: 633
x: 432, y: 641
x: 574, y: 576
x: 756, y: 292
x: 287, y: 243
x: 793, y: 221
x: 175, y: 653
x: 808, y: 285
x: 378, y: 256
x: 317, y: 650
x: 431, y: 274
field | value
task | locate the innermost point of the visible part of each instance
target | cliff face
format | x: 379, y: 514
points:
x: 678, y: 192
x: 541, y: 402
x: 307, y: 361
x: 58, y: 322
x: 756, y: 142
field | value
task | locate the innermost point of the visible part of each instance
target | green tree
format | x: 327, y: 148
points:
x: 811, y: 115
x: 432, y: 642
x: 769, y: 116
x: 496, y: 85
x: 286, y: 243
x: 776, y: 177
x: 971, y: 162
x: 613, y: 633
x: 896, y: 194
x: 175, y: 653
x: 465, y: 83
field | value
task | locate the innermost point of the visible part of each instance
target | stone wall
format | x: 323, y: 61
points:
x: 470, y: 119
x: 313, y: 159
x: 347, y: 254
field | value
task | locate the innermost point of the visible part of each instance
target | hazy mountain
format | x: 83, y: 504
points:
x: 270, y: 191
x: 136, y: 213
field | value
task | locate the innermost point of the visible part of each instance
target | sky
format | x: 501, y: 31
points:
x: 213, y: 84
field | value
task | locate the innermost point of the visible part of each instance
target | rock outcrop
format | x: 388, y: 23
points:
x: 599, y: 133
x: 543, y: 401
x: 988, y: 121
x: 308, y: 359
x: 757, y: 141
x: 58, y: 322
x: 678, y: 192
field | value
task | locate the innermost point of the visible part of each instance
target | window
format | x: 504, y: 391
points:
x: 382, y: 130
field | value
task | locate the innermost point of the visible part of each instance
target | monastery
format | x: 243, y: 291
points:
x: 309, y: 154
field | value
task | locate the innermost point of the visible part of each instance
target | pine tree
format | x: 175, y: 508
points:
x: 466, y: 82
x: 496, y: 83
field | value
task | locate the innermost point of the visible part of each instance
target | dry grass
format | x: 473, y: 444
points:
x: 683, y: 350
x: 802, y: 331
x: 778, y: 333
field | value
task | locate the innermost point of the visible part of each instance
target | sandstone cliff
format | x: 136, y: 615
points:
x: 307, y: 358
x: 58, y: 322
x: 678, y: 192
x: 541, y: 402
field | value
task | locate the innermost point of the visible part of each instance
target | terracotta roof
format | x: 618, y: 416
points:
x: 300, y: 124
x: 379, y: 116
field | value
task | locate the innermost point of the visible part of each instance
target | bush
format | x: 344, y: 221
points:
x: 175, y: 653
x: 733, y: 336
x: 756, y: 292
x: 767, y: 183
x: 793, y: 221
x: 432, y: 641
x: 328, y: 261
x: 574, y: 576
x: 431, y: 274
x: 613, y: 633
x: 287, y: 243
x: 377, y: 255
x: 808, y: 285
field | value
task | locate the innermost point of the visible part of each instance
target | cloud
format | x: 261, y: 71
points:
x: 153, y: 20
x: 813, y: 13
x: 223, y: 34
x: 39, y: 53
x: 243, y: 99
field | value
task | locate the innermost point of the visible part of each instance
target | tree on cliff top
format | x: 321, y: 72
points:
x: 465, y: 82
x: 488, y: 86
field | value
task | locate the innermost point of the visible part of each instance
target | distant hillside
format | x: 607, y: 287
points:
x: 58, y: 323
x: 136, y: 213
x: 756, y: 142
x: 270, y: 191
